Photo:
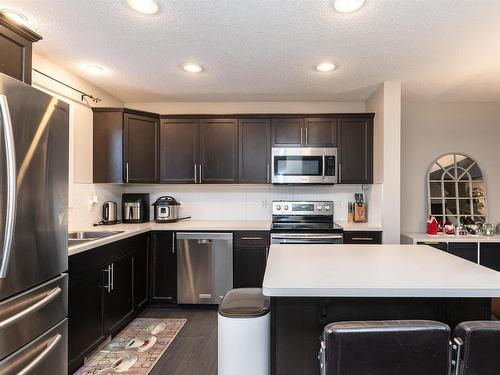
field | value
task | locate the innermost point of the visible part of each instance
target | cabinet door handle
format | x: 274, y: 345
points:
x: 201, y: 175
x: 108, y: 274
x: 173, y: 243
x: 126, y: 172
x: 362, y: 238
x: 267, y: 175
x: 112, y: 276
x: 251, y: 238
x: 307, y: 138
x: 340, y: 172
x: 301, y: 142
x: 195, y: 173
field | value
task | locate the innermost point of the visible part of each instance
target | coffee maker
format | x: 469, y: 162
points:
x: 135, y: 208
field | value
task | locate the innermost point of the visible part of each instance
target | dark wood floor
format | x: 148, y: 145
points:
x: 194, y: 350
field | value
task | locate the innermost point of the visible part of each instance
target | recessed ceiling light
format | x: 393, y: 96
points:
x: 348, y: 6
x: 144, y: 6
x: 325, y: 67
x: 192, y: 68
x: 94, y: 69
x: 15, y: 16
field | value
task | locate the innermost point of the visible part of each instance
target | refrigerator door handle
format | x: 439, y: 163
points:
x: 50, y: 296
x: 10, y: 211
x: 51, y: 344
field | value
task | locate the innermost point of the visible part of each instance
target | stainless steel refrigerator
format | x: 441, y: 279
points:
x: 33, y: 230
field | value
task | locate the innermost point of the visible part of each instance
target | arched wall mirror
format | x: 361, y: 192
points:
x: 456, y: 190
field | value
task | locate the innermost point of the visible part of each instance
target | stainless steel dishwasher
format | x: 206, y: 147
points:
x: 204, y: 267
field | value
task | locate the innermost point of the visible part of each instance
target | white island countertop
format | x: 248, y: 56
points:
x: 374, y: 271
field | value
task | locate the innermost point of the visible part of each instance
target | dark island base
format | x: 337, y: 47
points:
x: 297, y: 323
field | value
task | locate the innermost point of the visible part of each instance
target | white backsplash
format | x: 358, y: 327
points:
x: 253, y: 202
x: 82, y: 213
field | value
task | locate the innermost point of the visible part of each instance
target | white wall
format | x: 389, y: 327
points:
x: 430, y: 129
x: 168, y: 108
x: 82, y: 213
x: 386, y: 103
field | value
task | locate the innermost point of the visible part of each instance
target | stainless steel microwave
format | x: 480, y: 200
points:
x: 304, y: 165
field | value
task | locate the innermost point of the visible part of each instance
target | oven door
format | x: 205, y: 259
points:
x: 307, y: 238
x: 306, y: 165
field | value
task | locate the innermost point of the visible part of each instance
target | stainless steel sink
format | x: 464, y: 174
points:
x: 80, y: 237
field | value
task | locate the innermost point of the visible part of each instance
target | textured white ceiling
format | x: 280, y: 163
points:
x: 266, y: 50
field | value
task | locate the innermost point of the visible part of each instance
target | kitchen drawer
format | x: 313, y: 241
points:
x: 251, y: 238
x: 31, y: 313
x: 443, y: 246
x: 46, y: 355
x: 359, y: 238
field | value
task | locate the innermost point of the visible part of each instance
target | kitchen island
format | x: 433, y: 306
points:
x: 311, y: 286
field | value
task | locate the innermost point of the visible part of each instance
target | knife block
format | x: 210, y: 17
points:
x: 359, y: 212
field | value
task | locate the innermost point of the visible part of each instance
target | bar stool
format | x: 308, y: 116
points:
x: 477, y: 347
x: 393, y: 347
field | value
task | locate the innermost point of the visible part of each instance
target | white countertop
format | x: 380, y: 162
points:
x: 361, y: 227
x: 424, y: 237
x: 130, y: 230
x: 374, y: 271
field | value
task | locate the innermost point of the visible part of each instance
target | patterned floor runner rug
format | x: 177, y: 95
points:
x: 136, y: 349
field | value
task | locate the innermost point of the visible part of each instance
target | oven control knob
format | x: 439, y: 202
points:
x: 286, y: 208
x: 319, y: 208
x: 327, y: 208
x: 278, y: 207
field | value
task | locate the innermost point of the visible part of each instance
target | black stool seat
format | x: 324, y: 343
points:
x: 480, y: 352
x: 395, y: 347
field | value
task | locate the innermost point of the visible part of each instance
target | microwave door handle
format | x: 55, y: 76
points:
x: 324, y: 162
x: 10, y: 210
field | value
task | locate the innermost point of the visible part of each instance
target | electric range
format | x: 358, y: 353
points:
x: 304, y: 222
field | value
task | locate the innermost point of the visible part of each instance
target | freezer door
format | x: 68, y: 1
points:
x: 33, y: 186
x: 47, y: 355
x: 29, y: 314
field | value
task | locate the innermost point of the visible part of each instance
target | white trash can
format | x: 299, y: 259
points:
x: 244, y: 333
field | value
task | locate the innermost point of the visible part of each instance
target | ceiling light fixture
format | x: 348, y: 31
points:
x: 94, y: 69
x: 325, y: 67
x: 15, y: 16
x: 348, y: 6
x: 144, y: 6
x: 192, y: 68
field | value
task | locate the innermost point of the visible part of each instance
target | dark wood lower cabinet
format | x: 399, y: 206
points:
x: 443, y: 246
x: 465, y: 250
x: 119, y: 295
x: 249, y: 258
x: 102, y: 285
x: 163, y: 266
x: 85, y: 325
x: 490, y: 255
x: 363, y: 238
x: 141, y: 275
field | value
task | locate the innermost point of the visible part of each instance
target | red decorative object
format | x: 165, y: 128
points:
x: 432, y: 225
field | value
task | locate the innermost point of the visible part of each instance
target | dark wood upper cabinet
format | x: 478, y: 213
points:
x: 356, y: 150
x: 320, y: 132
x: 178, y: 151
x: 287, y: 132
x: 254, y: 150
x: 218, y: 147
x: 108, y: 146
x: 125, y: 146
x: 16, y: 49
x: 140, y: 148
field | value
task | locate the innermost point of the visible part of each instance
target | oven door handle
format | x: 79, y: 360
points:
x: 317, y: 241
x: 309, y: 237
